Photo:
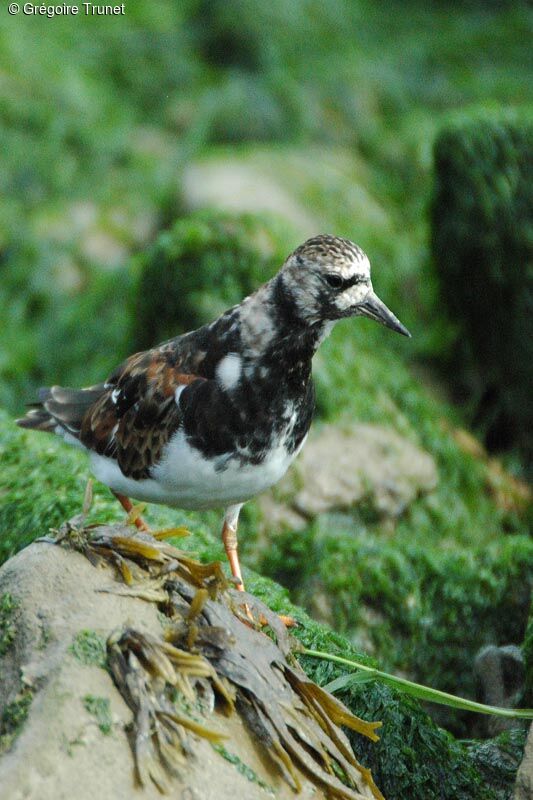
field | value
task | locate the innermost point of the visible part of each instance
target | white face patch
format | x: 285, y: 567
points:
x: 228, y: 371
x: 353, y: 296
x: 114, y: 395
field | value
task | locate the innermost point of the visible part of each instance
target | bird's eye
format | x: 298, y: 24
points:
x: 335, y: 281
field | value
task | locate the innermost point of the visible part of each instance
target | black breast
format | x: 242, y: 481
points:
x: 267, y: 407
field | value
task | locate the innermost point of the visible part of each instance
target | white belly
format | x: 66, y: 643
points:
x: 184, y: 479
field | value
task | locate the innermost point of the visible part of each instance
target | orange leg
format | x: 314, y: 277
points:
x: 229, y: 538
x: 127, y: 505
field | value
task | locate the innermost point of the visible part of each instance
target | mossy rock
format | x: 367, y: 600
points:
x: 43, y: 483
x: 203, y: 265
x: 421, y: 607
x: 482, y: 241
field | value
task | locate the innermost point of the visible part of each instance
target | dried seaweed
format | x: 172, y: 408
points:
x: 145, y: 669
x: 212, y: 655
x: 296, y: 721
x: 137, y: 556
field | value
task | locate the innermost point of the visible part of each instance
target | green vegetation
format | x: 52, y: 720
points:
x: 8, y: 631
x: 33, y: 499
x: 483, y: 250
x: 205, y: 264
x: 92, y: 157
x: 242, y: 768
x: 426, y: 609
x: 13, y: 718
x: 89, y: 648
x: 362, y: 672
x: 100, y: 709
x: 498, y: 760
x: 42, y: 483
x: 436, y: 600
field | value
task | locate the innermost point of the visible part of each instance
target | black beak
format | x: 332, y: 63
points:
x: 374, y: 308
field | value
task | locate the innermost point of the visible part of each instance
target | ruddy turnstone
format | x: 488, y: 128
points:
x: 216, y: 416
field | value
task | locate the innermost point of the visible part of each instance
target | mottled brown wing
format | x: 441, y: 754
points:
x: 138, y: 413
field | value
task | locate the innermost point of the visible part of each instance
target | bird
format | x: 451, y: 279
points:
x: 213, y: 417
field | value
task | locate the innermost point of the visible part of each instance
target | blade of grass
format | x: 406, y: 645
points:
x: 415, y: 689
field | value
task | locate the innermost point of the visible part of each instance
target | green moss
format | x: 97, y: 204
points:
x: 414, y: 758
x: 68, y: 745
x: 371, y: 127
x: 482, y: 246
x: 498, y: 760
x: 242, y: 768
x: 41, y: 485
x: 45, y: 636
x: 13, y: 718
x: 425, y: 609
x: 8, y: 631
x: 89, y: 648
x: 42, y: 318
x: 456, y: 572
x: 205, y: 264
x: 100, y: 709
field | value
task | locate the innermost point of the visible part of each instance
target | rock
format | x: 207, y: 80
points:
x: 282, y: 181
x: 500, y: 672
x: 97, y: 235
x: 341, y: 466
x: 60, y: 745
x: 64, y: 725
x: 104, y: 249
x: 524, y: 780
x: 232, y: 185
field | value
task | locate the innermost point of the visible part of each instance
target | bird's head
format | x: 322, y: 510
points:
x: 328, y: 278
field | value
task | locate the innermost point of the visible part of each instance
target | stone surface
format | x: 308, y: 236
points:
x: 341, y: 466
x: 524, y: 779
x: 232, y: 185
x: 500, y: 672
x: 61, y: 752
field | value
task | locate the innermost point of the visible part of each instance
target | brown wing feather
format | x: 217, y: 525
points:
x: 138, y: 413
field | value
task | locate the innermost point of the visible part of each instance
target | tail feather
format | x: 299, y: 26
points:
x: 39, y: 420
x: 60, y: 409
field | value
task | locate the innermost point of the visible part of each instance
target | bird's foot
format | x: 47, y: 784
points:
x: 259, y: 620
x: 287, y: 621
x: 135, y: 518
x: 133, y: 511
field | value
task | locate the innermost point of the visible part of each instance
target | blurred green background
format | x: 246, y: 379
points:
x: 158, y: 165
